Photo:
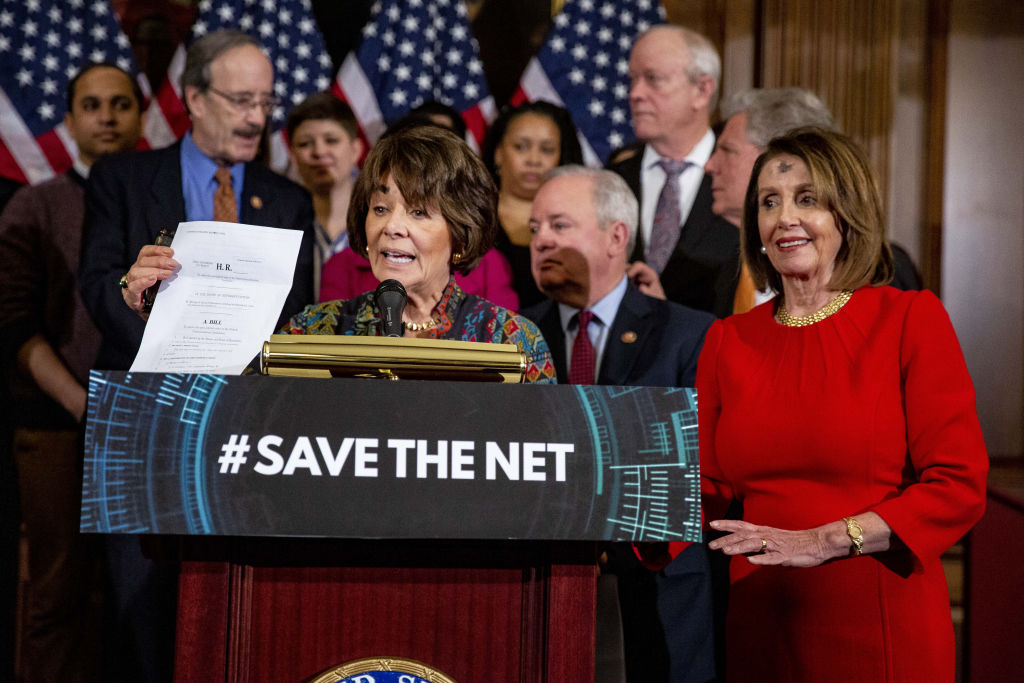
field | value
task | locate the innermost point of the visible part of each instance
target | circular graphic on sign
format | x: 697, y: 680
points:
x: 383, y: 670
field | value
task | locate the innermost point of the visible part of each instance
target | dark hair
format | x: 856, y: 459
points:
x: 432, y: 108
x: 205, y: 50
x: 569, y: 151
x: 73, y: 83
x: 432, y: 167
x: 322, y: 106
x: 846, y: 185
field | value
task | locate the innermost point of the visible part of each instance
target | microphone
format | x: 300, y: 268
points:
x: 391, y: 299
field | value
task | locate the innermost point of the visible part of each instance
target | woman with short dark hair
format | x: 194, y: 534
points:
x: 423, y: 208
x: 842, y: 417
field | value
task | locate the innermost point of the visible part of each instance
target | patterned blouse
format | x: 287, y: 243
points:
x: 461, y: 316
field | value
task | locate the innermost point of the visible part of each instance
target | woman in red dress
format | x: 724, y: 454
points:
x: 842, y: 417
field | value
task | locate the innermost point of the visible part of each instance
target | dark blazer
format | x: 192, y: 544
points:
x: 667, y: 339
x: 130, y: 198
x: 667, y: 620
x: 703, y: 270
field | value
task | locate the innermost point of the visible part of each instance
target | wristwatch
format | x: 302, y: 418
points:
x: 856, y: 534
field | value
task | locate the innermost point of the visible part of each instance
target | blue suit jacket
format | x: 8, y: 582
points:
x: 130, y: 198
x: 666, y: 341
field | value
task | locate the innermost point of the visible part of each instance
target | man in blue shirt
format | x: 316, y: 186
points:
x: 227, y: 87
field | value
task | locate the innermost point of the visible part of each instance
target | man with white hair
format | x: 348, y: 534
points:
x: 674, y: 74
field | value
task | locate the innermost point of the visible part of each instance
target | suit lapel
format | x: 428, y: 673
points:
x: 256, y: 196
x: 626, y: 339
x: 252, y: 196
x: 700, y: 218
x: 630, y: 170
x: 166, y: 207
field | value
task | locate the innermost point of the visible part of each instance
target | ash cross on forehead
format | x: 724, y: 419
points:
x: 784, y: 166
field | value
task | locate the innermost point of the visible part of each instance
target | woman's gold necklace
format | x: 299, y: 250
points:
x: 784, y: 318
x: 417, y: 327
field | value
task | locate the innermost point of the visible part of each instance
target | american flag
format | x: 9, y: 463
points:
x: 290, y: 37
x: 414, y: 51
x: 42, y: 45
x: 584, y: 66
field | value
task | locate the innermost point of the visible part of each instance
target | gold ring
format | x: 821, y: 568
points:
x: 764, y: 545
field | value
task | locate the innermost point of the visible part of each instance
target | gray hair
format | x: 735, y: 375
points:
x: 774, y: 112
x: 704, y: 59
x: 205, y: 50
x: 613, y: 200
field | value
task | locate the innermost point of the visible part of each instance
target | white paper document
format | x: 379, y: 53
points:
x: 215, y: 312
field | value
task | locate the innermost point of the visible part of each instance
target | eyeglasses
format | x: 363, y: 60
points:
x: 245, y: 102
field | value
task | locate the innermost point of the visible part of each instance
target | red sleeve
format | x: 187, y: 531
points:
x: 716, y: 492
x: 944, y: 439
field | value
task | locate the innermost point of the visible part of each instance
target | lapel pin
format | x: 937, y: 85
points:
x: 256, y: 203
x: 628, y: 337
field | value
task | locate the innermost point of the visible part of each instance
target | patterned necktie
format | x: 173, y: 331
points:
x: 667, y: 221
x: 581, y: 367
x: 224, y: 207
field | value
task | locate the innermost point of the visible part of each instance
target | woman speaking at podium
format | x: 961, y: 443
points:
x: 425, y: 207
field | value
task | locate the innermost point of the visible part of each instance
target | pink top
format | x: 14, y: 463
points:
x: 347, y: 275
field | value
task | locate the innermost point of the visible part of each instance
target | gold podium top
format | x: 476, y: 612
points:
x: 391, y: 357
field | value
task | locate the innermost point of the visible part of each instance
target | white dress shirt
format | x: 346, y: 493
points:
x: 652, y: 179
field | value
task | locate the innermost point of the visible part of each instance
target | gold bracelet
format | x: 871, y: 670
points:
x: 856, y: 534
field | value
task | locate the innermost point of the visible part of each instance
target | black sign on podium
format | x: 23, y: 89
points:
x: 356, y: 458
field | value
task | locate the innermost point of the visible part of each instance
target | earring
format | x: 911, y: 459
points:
x: 456, y: 258
x: 764, y: 250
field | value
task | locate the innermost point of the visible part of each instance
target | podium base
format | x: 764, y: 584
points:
x: 286, y: 609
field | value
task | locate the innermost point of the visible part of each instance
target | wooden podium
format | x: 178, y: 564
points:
x: 286, y: 609
x: 328, y: 520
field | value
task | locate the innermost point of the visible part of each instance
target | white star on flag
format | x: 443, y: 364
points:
x: 434, y: 42
x: 43, y: 48
x: 590, y: 87
x: 298, y: 72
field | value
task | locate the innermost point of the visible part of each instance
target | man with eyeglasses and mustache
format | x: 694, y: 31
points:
x: 227, y: 85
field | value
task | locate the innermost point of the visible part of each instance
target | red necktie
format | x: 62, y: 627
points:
x: 581, y: 367
x: 224, y: 206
